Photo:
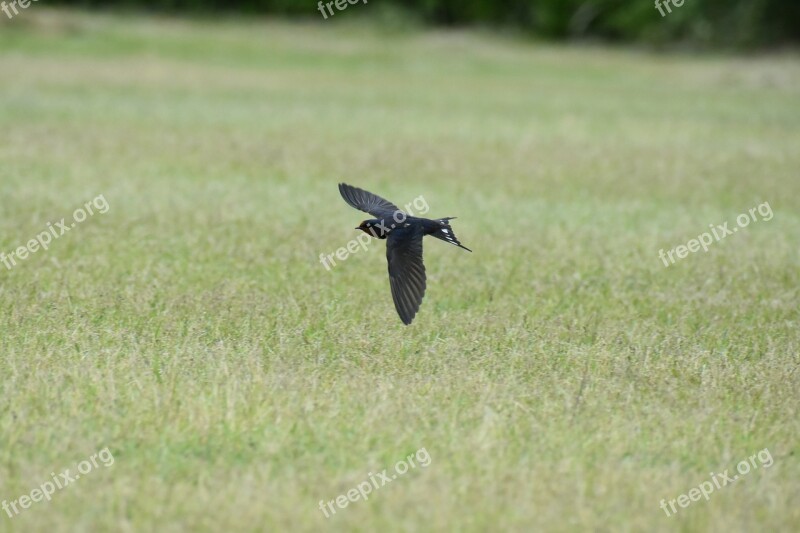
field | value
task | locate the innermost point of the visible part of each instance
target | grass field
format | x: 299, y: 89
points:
x: 560, y: 377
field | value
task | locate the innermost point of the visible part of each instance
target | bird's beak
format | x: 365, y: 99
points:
x: 357, y: 227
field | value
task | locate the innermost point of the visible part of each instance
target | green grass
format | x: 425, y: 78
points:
x: 560, y: 377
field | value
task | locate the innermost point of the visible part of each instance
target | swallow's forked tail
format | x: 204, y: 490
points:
x: 446, y: 233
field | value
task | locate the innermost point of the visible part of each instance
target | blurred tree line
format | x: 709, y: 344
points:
x: 732, y: 23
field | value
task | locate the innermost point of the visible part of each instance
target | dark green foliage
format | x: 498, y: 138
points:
x: 736, y: 23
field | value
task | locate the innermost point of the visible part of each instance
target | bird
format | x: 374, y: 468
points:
x: 403, y: 234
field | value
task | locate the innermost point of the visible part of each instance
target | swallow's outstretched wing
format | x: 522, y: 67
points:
x: 367, y: 202
x: 406, y: 271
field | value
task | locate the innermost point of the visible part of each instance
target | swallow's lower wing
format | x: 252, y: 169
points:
x: 367, y: 202
x: 406, y: 271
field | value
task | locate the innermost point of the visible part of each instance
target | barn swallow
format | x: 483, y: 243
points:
x: 403, y: 234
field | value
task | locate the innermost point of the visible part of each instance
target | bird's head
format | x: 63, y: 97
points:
x: 370, y: 227
x: 374, y: 228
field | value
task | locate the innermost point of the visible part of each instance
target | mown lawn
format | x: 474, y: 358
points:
x: 560, y: 377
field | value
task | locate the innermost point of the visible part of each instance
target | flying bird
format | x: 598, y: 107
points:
x: 403, y: 234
